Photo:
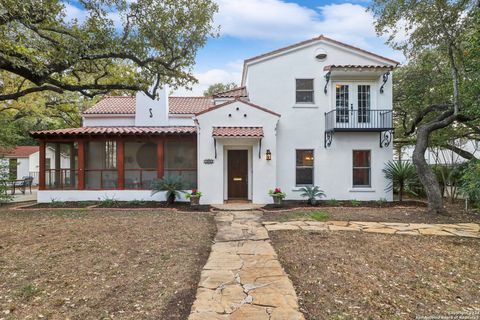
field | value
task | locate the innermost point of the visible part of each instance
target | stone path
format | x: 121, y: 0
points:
x: 243, y: 278
x: 471, y: 230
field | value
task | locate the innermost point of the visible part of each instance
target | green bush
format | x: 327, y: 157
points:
x: 332, y: 202
x: 173, y: 187
x: 470, y: 182
x: 5, y: 195
x: 355, y: 203
x: 312, y: 193
x: 402, y: 177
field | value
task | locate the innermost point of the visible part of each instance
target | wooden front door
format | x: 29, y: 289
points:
x: 237, y: 174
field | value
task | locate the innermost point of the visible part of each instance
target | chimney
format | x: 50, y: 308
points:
x: 151, y: 112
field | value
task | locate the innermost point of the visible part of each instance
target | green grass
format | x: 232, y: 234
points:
x: 319, y: 215
x: 355, y: 203
x: 332, y: 202
x: 27, y: 292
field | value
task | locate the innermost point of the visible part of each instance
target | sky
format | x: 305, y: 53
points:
x: 252, y: 27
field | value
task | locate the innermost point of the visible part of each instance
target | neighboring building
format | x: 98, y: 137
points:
x: 21, y: 161
x: 318, y: 113
x: 441, y: 156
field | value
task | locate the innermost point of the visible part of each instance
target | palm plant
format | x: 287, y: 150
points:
x: 172, y: 186
x: 402, y: 177
x: 312, y: 193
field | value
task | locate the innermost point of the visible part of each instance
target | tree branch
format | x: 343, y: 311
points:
x: 462, y: 153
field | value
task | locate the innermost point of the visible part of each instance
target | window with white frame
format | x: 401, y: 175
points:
x: 304, y: 167
x: 361, y: 169
x: 304, y: 91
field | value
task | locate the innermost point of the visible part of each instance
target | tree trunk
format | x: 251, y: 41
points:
x: 400, y: 192
x: 425, y: 172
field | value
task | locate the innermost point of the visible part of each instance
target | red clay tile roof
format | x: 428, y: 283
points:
x: 20, y: 151
x: 115, y: 131
x: 239, y: 100
x: 352, y: 66
x: 126, y: 105
x: 255, y: 132
x: 240, y: 92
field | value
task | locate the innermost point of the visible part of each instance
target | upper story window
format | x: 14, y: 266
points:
x: 304, y: 91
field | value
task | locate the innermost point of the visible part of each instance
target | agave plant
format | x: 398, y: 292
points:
x: 402, y: 177
x: 173, y: 187
x: 312, y: 193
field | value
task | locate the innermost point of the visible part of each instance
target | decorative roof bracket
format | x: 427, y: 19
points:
x: 385, y: 79
x: 327, y: 79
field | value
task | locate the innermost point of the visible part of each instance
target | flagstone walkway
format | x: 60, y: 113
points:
x: 243, y: 278
x: 471, y: 230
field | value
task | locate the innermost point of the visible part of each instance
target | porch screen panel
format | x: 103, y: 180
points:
x: 101, y: 165
x: 61, y: 165
x: 140, y: 164
x: 181, y: 162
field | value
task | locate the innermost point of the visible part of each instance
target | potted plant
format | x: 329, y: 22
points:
x: 194, y: 197
x: 277, y: 196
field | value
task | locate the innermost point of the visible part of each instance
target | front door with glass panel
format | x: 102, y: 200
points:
x: 352, y: 105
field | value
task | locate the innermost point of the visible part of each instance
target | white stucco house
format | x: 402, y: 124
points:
x: 318, y: 112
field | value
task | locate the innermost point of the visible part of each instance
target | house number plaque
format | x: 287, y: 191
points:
x: 208, y: 161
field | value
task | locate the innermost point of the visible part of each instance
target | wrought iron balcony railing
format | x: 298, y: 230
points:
x: 349, y: 120
x: 343, y: 119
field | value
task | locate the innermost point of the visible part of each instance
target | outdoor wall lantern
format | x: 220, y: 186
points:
x: 269, y: 155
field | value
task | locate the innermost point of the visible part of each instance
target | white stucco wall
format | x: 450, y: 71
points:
x: 262, y: 173
x: 108, y: 121
x: 99, y: 195
x: 271, y: 83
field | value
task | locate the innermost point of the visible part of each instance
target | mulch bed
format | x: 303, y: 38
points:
x: 71, y: 264
x: 345, y: 275
x: 394, y: 214
x: 180, y: 206
x: 290, y: 204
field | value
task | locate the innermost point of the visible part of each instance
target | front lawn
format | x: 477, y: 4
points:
x: 345, y: 275
x: 407, y: 214
x: 87, y: 264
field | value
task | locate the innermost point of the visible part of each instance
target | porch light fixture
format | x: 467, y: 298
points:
x: 268, y: 155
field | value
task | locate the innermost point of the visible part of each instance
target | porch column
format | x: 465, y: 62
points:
x: 120, y: 164
x: 161, y: 158
x: 81, y: 165
x: 42, y: 164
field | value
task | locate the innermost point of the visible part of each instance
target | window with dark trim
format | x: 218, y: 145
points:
x: 304, y: 91
x: 304, y: 167
x: 361, y: 169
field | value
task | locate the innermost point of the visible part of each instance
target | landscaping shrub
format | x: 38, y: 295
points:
x: 312, y: 193
x: 173, y: 187
x: 5, y: 195
x: 470, y: 182
x: 402, y: 177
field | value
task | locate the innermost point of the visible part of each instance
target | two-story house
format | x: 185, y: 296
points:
x: 318, y: 112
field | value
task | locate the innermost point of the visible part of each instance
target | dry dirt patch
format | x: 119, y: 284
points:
x: 100, y: 264
x: 344, y: 275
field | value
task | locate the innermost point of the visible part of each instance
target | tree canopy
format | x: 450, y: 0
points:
x: 116, y: 45
x: 437, y: 91
x: 219, y: 87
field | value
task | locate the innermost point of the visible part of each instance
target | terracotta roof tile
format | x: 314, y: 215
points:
x: 239, y: 100
x: 115, y: 131
x: 20, y: 151
x: 126, y: 105
x: 255, y: 132
x: 240, y: 92
x: 353, y: 66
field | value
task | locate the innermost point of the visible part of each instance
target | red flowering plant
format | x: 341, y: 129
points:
x: 194, y: 193
x: 277, y: 192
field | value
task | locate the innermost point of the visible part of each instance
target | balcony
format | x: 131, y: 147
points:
x: 349, y: 120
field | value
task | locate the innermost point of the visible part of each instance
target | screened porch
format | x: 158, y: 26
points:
x: 116, y: 163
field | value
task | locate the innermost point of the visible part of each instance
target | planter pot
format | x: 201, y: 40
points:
x: 278, y: 201
x: 194, y: 200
